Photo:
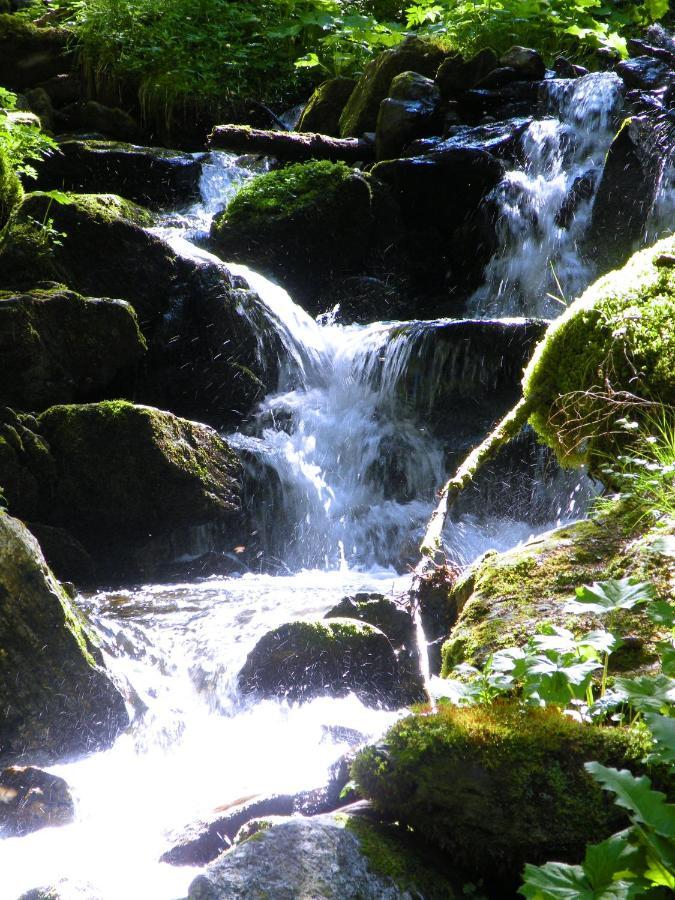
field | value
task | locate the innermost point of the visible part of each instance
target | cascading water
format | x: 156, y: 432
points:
x: 544, y: 208
x: 354, y: 469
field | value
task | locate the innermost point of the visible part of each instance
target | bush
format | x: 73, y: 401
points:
x: 11, y: 192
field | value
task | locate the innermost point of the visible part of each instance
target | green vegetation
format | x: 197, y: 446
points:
x: 21, y: 141
x: 11, y: 192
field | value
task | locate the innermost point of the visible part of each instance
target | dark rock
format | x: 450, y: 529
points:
x: 502, y: 139
x: 325, y: 106
x: 637, y: 48
x: 40, y: 104
x: 409, y: 112
x: 363, y: 299
x: 582, y: 190
x: 26, y: 466
x: 376, y: 610
x: 29, y: 55
x: 65, y: 555
x: 498, y: 78
x: 58, y: 347
x: 625, y: 195
x: 563, y: 68
x: 658, y: 36
x: 456, y: 74
x: 526, y: 62
x: 520, y: 98
x: 90, y: 115
x: 350, y: 856
x: 413, y: 55
x: 55, y: 695
x: 438, y: 608
x: 151, y: 176
x: 31, y: 799
x: 301, y: 660
x: 63, y: 89
x: 645, y: 73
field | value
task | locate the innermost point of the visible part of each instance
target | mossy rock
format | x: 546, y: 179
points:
x: 97, y: 244
x: 59, y: 347
x: 324, y: 107
x: 497, y: 787
x: 413, y: 55
x: 29, y: 54
x: 619, y: 336
x: 26, y: 465
x: 55, y: 695
x: 305, y: 225
x: 506, y: 597
x: 301, y: 660
x: 11, y: 192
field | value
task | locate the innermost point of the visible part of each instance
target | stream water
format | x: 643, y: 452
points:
x: 337, y: 529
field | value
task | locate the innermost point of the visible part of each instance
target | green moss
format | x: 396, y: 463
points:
x: 284, y: 193
x: 110, y: 207
x: 11, y: 192
x: 497, y: 787
x: 514, y: 593
x: 619, y: 336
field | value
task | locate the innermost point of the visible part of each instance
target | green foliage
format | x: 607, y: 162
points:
x: 22, y: 143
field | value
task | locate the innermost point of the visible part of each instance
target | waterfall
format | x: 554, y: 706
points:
x: 543, y: 207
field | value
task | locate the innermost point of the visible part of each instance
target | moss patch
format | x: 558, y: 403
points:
x: 11, y: 192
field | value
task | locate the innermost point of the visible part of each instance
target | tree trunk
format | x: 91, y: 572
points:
x: 289, y: 145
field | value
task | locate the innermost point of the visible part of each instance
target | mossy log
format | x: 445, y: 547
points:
x: 290, y: 145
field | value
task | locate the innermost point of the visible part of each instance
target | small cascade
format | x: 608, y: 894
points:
x: 543, y: 207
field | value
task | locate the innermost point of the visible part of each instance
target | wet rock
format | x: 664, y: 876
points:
x: 307, y: 225
x: 520, y: 98
x: 151, y: 176
x: 498, y: 78
x: 301, y: 660
x: 65, y: 555
x: 327, y: 856
x: 409, y: 112
x: 564, y: 68
x: 438, y: 607
x: 58, y: 347
x: 29, y: 54
x: 582, y: 190
x: 527, y: 63
x: 502, y: 139
x: 363, y: 298
x: 645, y: 72
x: 413, y: 55
x: 102, y: 249
x: 31, y: 799
x: 457, y: 74
x: 325, y: 106
x: 55, y: 694
x: 625, y: 195
x: 90, y: 115
x: 26, y: 465
x: 638, y: 48
x: 380, y: 612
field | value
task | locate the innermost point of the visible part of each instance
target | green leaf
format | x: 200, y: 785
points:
x: 607, y: 596
x: 662, y: 613
x: 647, y: 807
x: 647, y: 693
x: 556, y: 881
x: 663, y: 732
x: 667, y: 654
x: 310, y: 61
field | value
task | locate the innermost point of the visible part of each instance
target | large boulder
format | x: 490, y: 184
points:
x: 324, y: 107
x: 457, y: 74
x: 151, y: 176
x: 344, y: 857
x: 59, y: 347
x: 31, y: 799
x: 496, y: 787
x: 29, y: 54
x: 413, y: 55
x: 55, y: 694
x: 306, y: 225
x: 139, y: 488
x: 301, y: 660
x: 409, y: 111
x: 504, y: 597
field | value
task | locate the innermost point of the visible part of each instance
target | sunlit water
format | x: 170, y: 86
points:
x: 338, y: 529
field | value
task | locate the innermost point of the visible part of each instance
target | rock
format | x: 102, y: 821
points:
x: 527, y: 63
x: 563, y: 68
x: 55, y: 694
x: 307, y: 225
x: 11, y: 192
x: 29, y: 54
x: 301, y: 660
x: 63, y: 890
x: 31, y: 799
x: 456, y: 74
x: 582, y: 190
x: 58, y: 347
x: 324, y: 108
x: 65, y: 555
x: 501, y: 139
x: 438, y: 607
x: 380, y: 612
x: 92, y: 227
x: 137, y: 487
x: 645, y: 73
x: 498, y: 78
x: 63, y: 89
x: 92, y: 116
x: 343, y: 856
x: 413, y: 55
x: 434, y: 213
x: 409, y: 112
x: 363, y: 298
x: 638, y: 48
x: 26, y: 465
x: 496, y: 786
x: 151, y: 176
x: 505, y: 597
x: 40, y: 104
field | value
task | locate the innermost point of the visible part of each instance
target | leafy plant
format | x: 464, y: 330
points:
x: 23, y: 143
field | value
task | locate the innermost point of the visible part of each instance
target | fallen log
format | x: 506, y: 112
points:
x: 292, y: 146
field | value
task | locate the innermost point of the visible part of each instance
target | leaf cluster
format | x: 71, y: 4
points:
x: 22, y: 143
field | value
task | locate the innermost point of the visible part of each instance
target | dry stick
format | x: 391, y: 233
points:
x: 290, y: 145
x: 506, y: 429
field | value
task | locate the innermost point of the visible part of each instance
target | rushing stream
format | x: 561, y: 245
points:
x: 337, y: 528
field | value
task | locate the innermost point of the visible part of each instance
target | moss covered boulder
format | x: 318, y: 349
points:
x: 506, y: 597
x: 301, y: 660
x: 26, y: 464
x: 497, y: 787
x: 59, y: 347
x: 307, y: 224
x: 29, y: 54
x: 55, y: 695
x: 324, y: 108
x: 413, y: 55
x: 613, y: 349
